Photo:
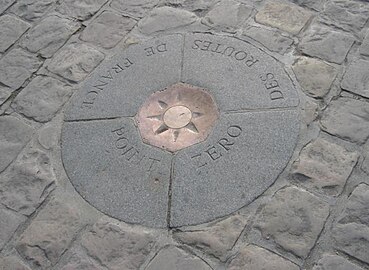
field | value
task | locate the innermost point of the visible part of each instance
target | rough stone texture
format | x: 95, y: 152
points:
x: 14, y: 135
x: 12, y: 28
x: 313, y: 4
x: 174, y: 258
x: 325, y: 166
x: 75, y: 61
x: 42, y: 98
x: 326, y: 43
x: 364, y: 48
x: 31, y: 10
x: 9, y: 222
x: 348, y: 119
x: 334, y: 262
x: 5, y: 4
x: 48, y: 135
x: 165, y: 18
x: 135, y: 8
x: 80, y: 261
x: 12, y: 263
x: 27, y: 183
x: 118, y: 246
x: 5, y: 93
x: 273, y: 40
x: 228, y: 15
x: 315, y: 76
x: 284, y: 16
x: 217, y: 239
x: 351, y: 232
x: 356, y: 78
x: 49, y: 35
x: 107, y: 29
x: 17, y: 66
x: 293, y: 219
x: 256, y: 258
x: 198, y: 6
x: 81, y: 9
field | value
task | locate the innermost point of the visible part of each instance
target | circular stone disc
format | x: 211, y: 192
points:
x: 245, y: 151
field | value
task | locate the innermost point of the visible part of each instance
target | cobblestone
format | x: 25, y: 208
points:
x: 313, y: 4
x: 5, y: 4
x: 12, y: 28
x: 356, y: 79
x: 135, y: 8
x: 81, y: 9
x: 5, y: 93
x: 334, y: 262
x: 364, y: 48
x: 12, y: 262
x: 31, y: 10
x: 9, y: 223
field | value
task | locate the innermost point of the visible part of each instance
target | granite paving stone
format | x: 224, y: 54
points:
x: 313, y: 4
x: 81, y: 9
x: 107, y: 29
x: 9, y: 223
x: 135, y: 8
x: 12, y: 262
x: 198, y: 6
x: 12, y: 28
x: 31, y: 10
x: 356, y: 78
x: 334, y: 262
x: 81, y: 261
x: 5, y: 4
x: 5, y: 93
x: 364, y: 48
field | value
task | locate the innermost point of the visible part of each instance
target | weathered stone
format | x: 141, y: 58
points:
x: 198, y: 6
x: 48, y: 135
x: 135, y: 8
x: 5, y: 93
x: 348, y: 119
x: 75, y: 61
x: 217, y: 239
x: 256, y: 258
x: 49, y: 35
x: 28, y: 182
x: 311, y: 111
x: 14, y: 135
x: 12, y: 263
x: 364, y: 48
x: 31, y: 10
x: 282, y: 15
x: 80, y: 261
x: 325, y: 166
x: 81, y: 9
x: 51, y: 232
x: 9, y: 223
x: 42, y: 98
x: 272, y: 40
x: 5, y: 4
x: 356, y: 78
x: 165, y: 18
x: 17, y: 66
x: 315, y: 76
x: 334, y: 262
x: 107, y: 29
x: 228, y: 15
x: 174, y: 258
x: 326, y: 43
x: 293, y: 219
x: 11, y: 29
x: 118, y: 246
x: 313, y: 4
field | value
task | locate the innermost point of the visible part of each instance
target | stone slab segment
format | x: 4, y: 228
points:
x: 81, y: 9
x: 356, y: 78
x: 364, y: 48
x: 42, y: 98
x: 351, y: 233
x: 107, y: 29
x: 5, y: 93
x: 174, y: 258
x: 284, y: 16
x: 241, y: 158
x: 293, y: 219
x: 334, y: 262
x: 121, y: 85
x: 114, y: 171
x: 348, y: 119
x: 75, y: 61
x: 313, y: 4
x: 31, y: 10
x: 14, y: 135
x: 238, y: 75
x: 17, y: 66
x: 5, y: 4
x: 216, y: 239
x: 135, y: 8
x: 198, y: 6
x: 13, y: 263
x: 255, y: 258
x: 324, y: 167
x: 315, y: 76
x: 11, y: 29
x: 49, y: 35
x: 9, y: 223
x: 117, y: 245
x: 80, y: 261
x: 326, y: 43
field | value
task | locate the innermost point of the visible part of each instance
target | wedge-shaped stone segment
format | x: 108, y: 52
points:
x: 121, y: 84
x: 239, y: 161
x: 239, y: 75
x: 113, y: 170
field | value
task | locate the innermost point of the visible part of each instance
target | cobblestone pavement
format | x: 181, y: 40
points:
x: 315, y: 216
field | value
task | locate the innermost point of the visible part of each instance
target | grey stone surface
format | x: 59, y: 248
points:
x: 174, y: 258
x: 118, y: 87
x: 75, y: 61
x: 49, y: 35
x: 241, y: 77
x: 313, y: 4
x: 14, y: 135
x: 5, y: 4
x: 114, y: 171
x: 293, y: 219
x: 221, y: 175
x: 326, y: 43
x: 107, y: 29
x: 81, y: 9
x: 324, y: 166
x: 348, y: 119
x: 11, y: 29
x: 80, y: 261
x: 364, y: 48
x: 31, y: 10
x: 5, y: 93
x: 48, y: 135
x: 334, y: 262
x: 13, y: 263
x: 17, y: 66
x: 9, y: 223
x: 42, y: 98
x: 351, y: 233
x: 256, y: 258
x: 356, y: 78
x: 135, y: 8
